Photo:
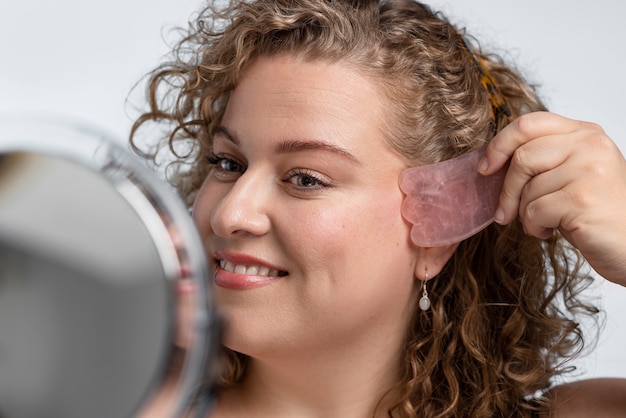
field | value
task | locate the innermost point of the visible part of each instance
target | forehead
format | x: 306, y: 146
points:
x: 319, y: 98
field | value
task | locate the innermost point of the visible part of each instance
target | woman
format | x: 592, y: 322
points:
x: 291, y: 122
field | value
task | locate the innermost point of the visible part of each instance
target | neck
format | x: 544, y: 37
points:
x: 342, y: 382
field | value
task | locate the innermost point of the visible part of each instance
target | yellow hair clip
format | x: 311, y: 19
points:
x: 496, y: 98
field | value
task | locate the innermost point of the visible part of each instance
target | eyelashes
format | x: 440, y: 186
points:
x: 227, y: 168
x: 306, y: 179
x: 223, y: 163
x: 212, y: 159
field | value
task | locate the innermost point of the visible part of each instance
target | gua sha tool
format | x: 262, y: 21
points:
x: 449, y: 201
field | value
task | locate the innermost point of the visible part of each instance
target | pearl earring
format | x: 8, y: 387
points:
x: 424, y: 302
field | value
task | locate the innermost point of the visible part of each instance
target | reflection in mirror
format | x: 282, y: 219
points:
x: 103, y: 303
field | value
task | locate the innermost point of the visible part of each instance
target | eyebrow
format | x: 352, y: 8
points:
x: 292, y: 146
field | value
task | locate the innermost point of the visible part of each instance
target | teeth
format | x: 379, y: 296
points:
x: 248, y: 270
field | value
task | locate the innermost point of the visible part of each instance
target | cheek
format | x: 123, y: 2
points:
x: 360, y: 264
x: 384, y: 236
x: 356, y: 235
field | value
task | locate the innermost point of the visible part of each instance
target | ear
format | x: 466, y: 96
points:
x: 430, y: 260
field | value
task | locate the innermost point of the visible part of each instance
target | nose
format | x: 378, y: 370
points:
x: 243, y: 208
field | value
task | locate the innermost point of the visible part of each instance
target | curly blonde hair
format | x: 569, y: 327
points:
x: 504, y: 313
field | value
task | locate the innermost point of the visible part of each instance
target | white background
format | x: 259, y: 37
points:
x: 81, y: 58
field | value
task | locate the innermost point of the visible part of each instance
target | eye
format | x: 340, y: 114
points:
x: 224, y: 165
x: 307, y: 180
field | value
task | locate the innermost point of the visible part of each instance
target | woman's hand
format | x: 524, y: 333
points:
x: 564, y: 174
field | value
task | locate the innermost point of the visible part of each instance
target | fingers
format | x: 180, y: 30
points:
x: 567, y: 175
x: 519, y: 132
x: 537, y: 145
x: 526, y: 166
x: 544, y: 202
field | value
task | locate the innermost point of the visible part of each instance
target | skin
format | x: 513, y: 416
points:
x: 324, y: 337
x: 544, y: 188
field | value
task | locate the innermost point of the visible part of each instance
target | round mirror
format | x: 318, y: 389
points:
x: 104, y: 307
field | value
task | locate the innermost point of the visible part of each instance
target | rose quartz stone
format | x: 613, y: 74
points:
x: 449, y: 201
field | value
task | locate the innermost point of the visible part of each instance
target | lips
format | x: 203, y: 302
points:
x: 242, y: 272
x: 253, y: 270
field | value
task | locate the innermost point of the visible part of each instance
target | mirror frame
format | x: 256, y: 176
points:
x: 155, y: 203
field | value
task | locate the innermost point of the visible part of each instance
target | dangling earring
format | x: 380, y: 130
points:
x: 424, y: 302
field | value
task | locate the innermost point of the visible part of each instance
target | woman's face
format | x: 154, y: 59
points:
x: 300, y: 214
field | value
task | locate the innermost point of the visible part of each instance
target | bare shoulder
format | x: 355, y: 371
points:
x: 604, y: 397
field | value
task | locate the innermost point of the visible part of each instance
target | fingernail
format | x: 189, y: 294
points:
x: 483, y: 164
x: 499, y: 216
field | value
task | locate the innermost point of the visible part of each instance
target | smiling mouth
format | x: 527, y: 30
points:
x: 251, y: 270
